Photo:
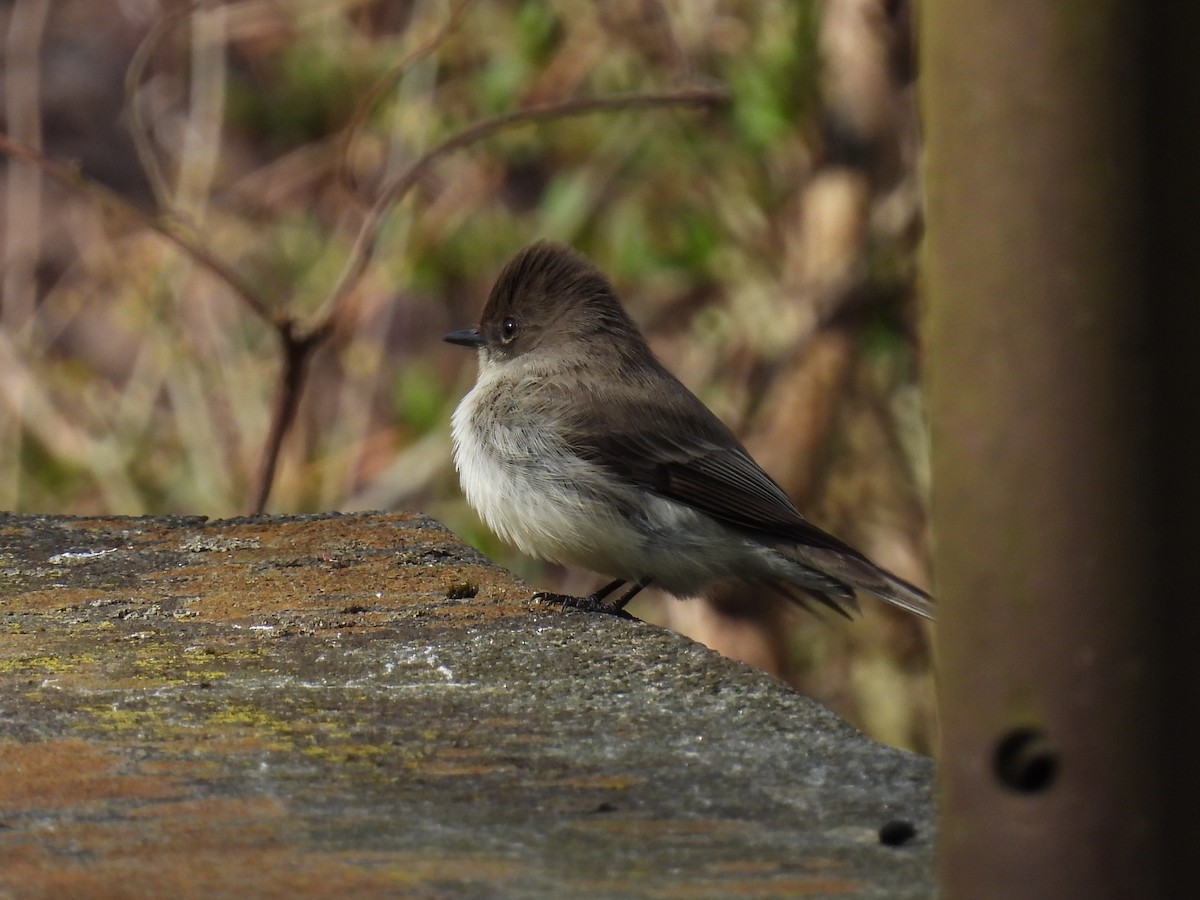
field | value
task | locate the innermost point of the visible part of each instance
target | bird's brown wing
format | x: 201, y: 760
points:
x: 681, y: 451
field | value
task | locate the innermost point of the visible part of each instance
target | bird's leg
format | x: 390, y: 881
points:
x: 597, y: 601
x: 624, y: 599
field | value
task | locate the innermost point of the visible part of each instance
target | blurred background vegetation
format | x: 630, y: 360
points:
x: 766, y: 244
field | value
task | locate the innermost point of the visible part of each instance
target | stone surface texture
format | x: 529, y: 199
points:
x: 363, y: 706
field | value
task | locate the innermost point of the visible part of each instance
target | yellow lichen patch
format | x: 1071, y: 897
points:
x: 46, y: 664
x: 198, y: 653
x: 164, y: 665
x: 349, y: 752
x: 267, y: 731
x: 233, y: 730
x: 249, y: 717
x: 119, y: 721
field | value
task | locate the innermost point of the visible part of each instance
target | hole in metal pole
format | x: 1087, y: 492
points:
x: 1025, y: 761
x: 897, y: 832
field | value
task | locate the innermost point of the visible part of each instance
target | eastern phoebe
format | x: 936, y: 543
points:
x: 577, y: 446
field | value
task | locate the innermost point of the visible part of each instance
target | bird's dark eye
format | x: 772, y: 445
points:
x: 509, y: 328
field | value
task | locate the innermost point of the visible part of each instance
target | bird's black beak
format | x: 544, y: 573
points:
x: 468, y: 337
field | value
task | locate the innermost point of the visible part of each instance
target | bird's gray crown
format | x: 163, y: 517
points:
x: 548, y: 292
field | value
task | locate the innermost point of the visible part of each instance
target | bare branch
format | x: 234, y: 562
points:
x: 366, y: 242
x: 297, y: 353
x: 384, y: 83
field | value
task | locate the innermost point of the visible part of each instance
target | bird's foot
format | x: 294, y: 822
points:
x: 597, y: 602
x: 590, y: 603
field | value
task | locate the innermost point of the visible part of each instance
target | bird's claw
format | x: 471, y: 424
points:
x: 591, y: 603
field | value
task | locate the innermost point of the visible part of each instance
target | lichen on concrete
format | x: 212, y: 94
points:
x: 361, y: 704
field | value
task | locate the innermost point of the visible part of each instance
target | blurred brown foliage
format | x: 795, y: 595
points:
x: 767, y: 247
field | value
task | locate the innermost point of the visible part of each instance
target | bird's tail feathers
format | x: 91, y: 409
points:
x: 844, y: 604
x: 860, y: 573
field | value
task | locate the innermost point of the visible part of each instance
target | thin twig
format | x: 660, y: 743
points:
x: 22, y: 187
x: 657, y: 12
x: 383, y: 84
x: 199, y: 151
x: 138, y: 129
x: 366, y: 242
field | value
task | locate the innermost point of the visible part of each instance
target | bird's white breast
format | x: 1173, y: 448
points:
x: 526, y: 486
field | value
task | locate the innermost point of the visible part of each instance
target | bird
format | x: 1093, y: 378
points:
x: 579, y: 447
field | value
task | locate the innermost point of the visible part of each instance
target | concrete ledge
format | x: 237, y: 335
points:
x: 361, y: 705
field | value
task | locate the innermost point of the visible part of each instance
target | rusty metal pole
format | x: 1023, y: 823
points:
x: 1062, y: 275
